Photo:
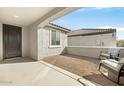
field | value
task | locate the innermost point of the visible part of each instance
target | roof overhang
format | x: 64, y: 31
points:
x: 55, y: 14
x: 88, y: 32
x: 50, y: 25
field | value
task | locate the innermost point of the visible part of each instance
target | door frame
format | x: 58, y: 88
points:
x: 4, y: 42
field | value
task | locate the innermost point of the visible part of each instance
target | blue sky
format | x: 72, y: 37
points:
x: 95, y: 17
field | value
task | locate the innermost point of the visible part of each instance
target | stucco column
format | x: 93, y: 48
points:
x: 1, y: 42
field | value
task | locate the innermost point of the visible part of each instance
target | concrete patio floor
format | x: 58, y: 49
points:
x: 83, y: 66
x: 24, y: 71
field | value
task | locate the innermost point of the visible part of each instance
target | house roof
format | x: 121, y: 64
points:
x: 85, y: 32
x: 58, y: 27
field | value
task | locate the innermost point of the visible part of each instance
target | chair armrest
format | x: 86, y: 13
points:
x: 104, y: 56
x: 119, y: 58
x: 105, y: 52
x: 113, y: 61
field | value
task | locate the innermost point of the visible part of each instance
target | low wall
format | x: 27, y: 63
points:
x: 89, y: 51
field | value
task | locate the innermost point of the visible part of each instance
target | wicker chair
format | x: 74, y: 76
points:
x: 112, y: 53
x: 116, y: 67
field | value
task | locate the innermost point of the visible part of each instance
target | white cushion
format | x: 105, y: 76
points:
x: 104, y: 54
x: 111, y: 63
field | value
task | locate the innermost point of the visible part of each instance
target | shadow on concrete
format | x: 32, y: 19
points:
x: 17, y: 60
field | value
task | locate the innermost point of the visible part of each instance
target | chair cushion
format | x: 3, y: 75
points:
x: 104, y: 54
x: 113, y: 64
x: 110, y: 62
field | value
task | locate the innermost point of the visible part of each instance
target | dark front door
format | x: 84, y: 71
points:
x: 11, y: 41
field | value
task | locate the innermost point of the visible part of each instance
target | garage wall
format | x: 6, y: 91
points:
x: 107, y: 40
x: 44, y: 49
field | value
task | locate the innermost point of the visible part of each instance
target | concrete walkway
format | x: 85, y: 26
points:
x: 36, y: 73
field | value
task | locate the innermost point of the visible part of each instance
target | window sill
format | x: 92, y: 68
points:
x: 55, y: 46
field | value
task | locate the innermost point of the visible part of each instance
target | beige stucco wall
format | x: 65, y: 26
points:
x: 85, y: 51
x: 25, y: 38
x: 35, y: 50
x: 33, y: 42
x: 89, y: 51
x: 25, y: 42
x: 93, y: 40
x: 44, y: 48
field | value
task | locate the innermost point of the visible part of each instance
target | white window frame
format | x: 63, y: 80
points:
x: 54, y: 46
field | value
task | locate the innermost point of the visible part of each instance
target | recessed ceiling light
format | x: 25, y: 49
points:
x: 16, y: 16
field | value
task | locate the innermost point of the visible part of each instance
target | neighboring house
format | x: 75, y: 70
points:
x: 92, y: 37
x: 26, y: 32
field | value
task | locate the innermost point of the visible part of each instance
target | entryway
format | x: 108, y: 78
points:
x: 11, y: 41
x: 34, y: 73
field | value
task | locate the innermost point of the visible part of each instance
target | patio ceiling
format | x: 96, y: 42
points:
x: 22, y: 16
x: 25, y: 16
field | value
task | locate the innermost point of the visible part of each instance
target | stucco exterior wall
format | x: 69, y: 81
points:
x: 25, y: 42
x: 85, y: 51
x: 93, y: 40
x: 44, y: 48
x: 33, y: 42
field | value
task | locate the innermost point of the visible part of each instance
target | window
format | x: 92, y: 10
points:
x: 55, y: 38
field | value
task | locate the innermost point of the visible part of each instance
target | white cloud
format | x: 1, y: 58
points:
x: 81, y: 10
x: 99, y: 8
x: 118, y: 28
x: 107, y: 27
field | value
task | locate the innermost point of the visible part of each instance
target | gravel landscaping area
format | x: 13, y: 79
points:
x: 82, y: 66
